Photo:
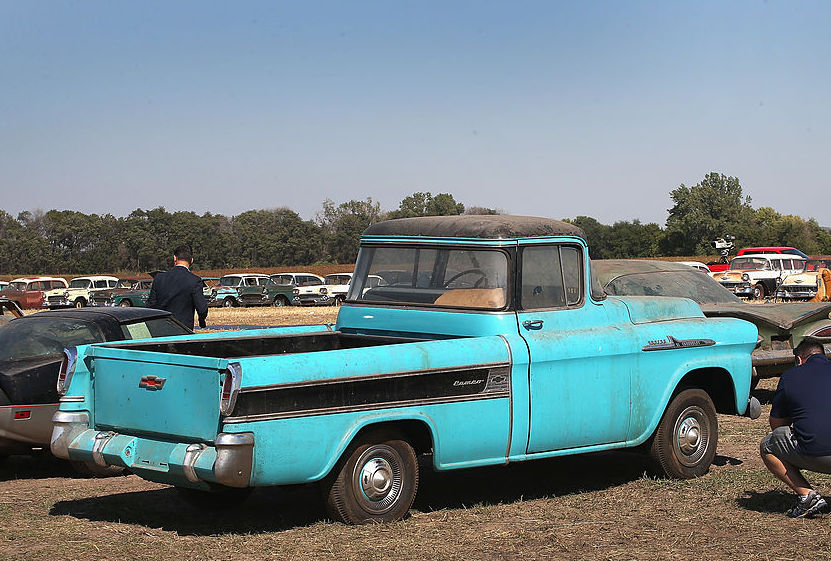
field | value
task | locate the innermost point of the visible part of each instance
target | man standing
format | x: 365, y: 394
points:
x: 800, y: 417
x: 179, y: 291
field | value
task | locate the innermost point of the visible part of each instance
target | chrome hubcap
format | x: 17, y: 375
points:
x: 691, y: 436
x: 377, y: 478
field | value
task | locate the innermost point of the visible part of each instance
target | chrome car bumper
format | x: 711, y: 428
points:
x: 228, y: 461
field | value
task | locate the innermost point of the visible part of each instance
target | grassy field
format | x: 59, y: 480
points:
x: 600, y: 506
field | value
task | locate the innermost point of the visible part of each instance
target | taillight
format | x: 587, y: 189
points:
x: 70, y: 355
x: 230, y: 388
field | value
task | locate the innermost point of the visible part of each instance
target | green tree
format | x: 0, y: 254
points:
x: 342, y: 226
x: 425, y: 204
x: 713, y: 208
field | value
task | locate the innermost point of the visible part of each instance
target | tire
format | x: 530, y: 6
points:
x: 79, y: 303
x: 218, y: 498
x: 338, y: 301
x: 125, y: 303
x: 280, y: 301
x: 758, y: 291
x: 375, y: 481
x: 684, y: 444
x: 91, y: 469
x: 228, y: 303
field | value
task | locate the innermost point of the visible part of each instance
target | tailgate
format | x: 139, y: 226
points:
x: 157, y: 393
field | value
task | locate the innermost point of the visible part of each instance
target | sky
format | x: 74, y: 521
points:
x: 546, y: 108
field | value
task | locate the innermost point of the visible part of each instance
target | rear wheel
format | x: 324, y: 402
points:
x: 228, y: 303
x: 79, y: 303
x: 280, y: 301
x: 685, y: 441
x: 125, y: 303
x: 375, y: 481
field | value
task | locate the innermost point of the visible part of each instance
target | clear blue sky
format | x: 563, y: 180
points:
x: 545, y: 108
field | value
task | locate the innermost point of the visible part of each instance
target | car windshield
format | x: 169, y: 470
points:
x: 461, y: 278
x: 229, y: 281
x: 32, y: 337
x: 124, y: 283
x: 749, y: 264
x: 79, y: 283
x: 336, y: 279
x: 685, y: 284
x: 17, y: 286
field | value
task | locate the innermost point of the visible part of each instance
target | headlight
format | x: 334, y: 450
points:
x: 323, y: 291
x: 745, y: 277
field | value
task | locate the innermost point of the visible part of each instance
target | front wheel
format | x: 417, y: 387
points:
x: 685, y: 441
x: 280, y: 301
x: 79, y: 303
x: 377, y: 481
x: 228, y: 303
x: 758, y: 291
x: 125, y: 303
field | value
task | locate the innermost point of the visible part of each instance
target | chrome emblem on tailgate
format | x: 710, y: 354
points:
x: 152, y: 382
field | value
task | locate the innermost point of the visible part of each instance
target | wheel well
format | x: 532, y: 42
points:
x: 716, y: 382
x: 417, y: 433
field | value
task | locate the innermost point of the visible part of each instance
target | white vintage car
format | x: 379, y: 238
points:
x: 756, y: 276
x: 78, y: 293
x: 805, y: 284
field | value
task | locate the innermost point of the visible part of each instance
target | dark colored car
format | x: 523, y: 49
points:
x: 271, y: 293
x: 31, y: 351
x: 781, y: 326
x: 106, y: 296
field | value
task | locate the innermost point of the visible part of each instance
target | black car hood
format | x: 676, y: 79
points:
x: 782, y: 316
x: 30, y: 381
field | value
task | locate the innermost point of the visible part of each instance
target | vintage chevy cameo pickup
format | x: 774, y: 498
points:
x: 488, y: 344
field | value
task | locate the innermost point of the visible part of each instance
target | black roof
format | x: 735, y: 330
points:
x: 118, y: 314
x: 497, y: 226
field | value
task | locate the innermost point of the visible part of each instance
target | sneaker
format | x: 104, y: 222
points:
x: 807, y: 505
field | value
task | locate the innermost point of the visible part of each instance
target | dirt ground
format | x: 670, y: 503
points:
x: 604, y: 506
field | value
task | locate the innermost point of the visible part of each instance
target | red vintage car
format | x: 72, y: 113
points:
x: 28, y: 292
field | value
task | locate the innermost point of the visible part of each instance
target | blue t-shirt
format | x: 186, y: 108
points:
x: 804, y: 396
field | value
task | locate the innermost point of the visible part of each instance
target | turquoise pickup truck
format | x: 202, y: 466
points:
x: 489, y: 342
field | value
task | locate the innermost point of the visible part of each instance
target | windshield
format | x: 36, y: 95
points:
x: 17, y: 286
x: 28, y: 338
x: 685, y: 284
x: 461, y: 278
x: 229, y: 281
x: 817, y: 264
x: 79, y: 283
x: 749, y: 264
x: 123, y: 283
x: 337, y: 279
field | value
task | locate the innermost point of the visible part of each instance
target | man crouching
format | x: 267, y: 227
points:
x: 800, y: 417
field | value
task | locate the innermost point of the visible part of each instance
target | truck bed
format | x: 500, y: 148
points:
x: 252, y: 345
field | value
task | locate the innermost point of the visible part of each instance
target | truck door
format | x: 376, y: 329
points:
x: 580, y: 360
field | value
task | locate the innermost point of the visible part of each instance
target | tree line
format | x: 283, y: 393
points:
x: 68, y: 241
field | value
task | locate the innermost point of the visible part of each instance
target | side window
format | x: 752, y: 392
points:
x: 572, y: 274
x: 101, y: 284
x: 552, y: 277
x: 250, y: 281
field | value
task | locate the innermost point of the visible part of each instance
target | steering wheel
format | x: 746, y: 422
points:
x: 483, y: 277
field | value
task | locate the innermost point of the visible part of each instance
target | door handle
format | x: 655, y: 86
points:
x: 532, y: 324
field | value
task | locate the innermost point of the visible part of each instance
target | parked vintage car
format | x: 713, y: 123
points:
x: 806, y: 284
x: 269, y: 294
x: 697, y: 265
x: 105, y: 297
x: 310, y: 289
x: 79, y: 292
x: 337, y: 285
x: 772, y: 250
x: 208, y: 284
x: 781, y: 326
x: 29, y: 292
x: 227, y: 291
x: 31, y: 350
x: 757, y: 275
x: 134, y: 298
x: 508, y: 354
x: 9, y: 310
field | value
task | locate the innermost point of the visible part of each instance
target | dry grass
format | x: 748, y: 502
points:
x: 600, y: 506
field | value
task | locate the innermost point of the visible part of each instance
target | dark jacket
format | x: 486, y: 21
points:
x: 179, y: 292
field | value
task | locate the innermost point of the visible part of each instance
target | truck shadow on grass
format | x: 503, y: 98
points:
x: 276, y: 509
x: 36, y: 466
